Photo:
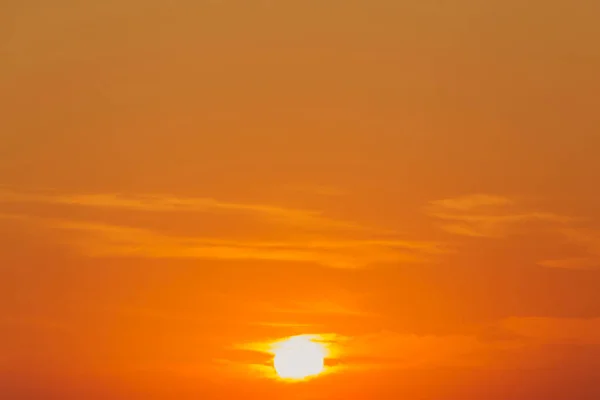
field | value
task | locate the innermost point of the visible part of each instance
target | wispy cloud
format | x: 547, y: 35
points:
x: 482, y: 215
x: 387, y: 349
x: 390, y: 349
x: 578, y: 331
x: 470, y: 202
x: 165, y: 203
x: 111, y: 240
x: 588, y: 241
x: 407, y: 350
x: 587, y: 238
x: 576, y: 263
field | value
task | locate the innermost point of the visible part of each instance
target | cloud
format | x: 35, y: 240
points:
x: 111, y: 241
x: 387, y: 349
x: 107, y: 240
x: 482, y: 215
x: 588, y: 241
x: 514, y: 342
x: 165, y: 203
x: 410, y: 350
x: 577, y: 331
x: 586, y: 238
x: 316, y: 237
x: 517, y: 334
x: 467, y: 203
x: 580, y: 263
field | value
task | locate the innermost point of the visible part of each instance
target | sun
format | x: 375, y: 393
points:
x: 299, y: 358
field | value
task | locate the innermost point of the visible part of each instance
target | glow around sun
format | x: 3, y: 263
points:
x: 299, y: 358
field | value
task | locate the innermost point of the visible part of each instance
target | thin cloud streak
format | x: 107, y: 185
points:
x: 106, y: 240
x: 469, y: 202
x: 588, y: 241
x: 167, y: 203
x: 581, y: 263
x: 384, y: 349
x: 482, y: 215
x: 148, y: 245
x: 547, y: 330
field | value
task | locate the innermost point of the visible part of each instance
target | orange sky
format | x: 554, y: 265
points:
x: 184, y: 182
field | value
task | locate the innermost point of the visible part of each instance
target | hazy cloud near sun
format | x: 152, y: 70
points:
x: 384, y: 349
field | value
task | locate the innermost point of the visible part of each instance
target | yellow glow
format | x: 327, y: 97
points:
x: 298, y: 358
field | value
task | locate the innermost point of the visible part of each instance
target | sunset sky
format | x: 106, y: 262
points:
x: 416, y: 183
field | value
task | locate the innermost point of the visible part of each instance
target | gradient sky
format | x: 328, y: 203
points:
x: 182, y: 182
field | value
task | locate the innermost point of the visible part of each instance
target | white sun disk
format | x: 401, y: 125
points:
x: 299, y: 358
